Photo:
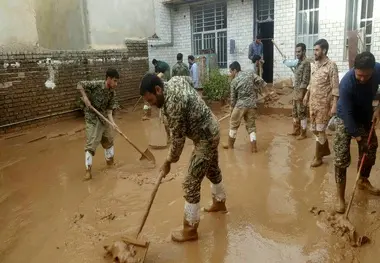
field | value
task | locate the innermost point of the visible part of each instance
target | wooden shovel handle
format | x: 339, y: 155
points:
x: 117, y: 129
x: 152, y: 196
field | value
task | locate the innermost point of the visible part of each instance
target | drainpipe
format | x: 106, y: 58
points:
x: 171, y: 43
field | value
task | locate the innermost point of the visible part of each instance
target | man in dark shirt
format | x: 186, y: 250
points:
x: 355, y: 115
x: 162, y: 67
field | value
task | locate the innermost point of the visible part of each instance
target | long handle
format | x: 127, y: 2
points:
x: 358, y: 174
x: 152, y: 196
x: 134, y: 107
x: 117, y: 129
x: 279, y: 51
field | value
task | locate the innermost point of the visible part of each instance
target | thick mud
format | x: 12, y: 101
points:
x: 48, y: 214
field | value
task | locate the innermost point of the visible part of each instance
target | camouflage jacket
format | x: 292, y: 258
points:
x: 244, y: 89
x: 187, y: 115
x: 180, y: 69
x: 301, y: 79
x: 101, y: 98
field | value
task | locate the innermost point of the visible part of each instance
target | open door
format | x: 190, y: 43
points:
x: 266, y: 30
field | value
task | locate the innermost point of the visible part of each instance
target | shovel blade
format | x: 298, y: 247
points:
x: 148, y: 155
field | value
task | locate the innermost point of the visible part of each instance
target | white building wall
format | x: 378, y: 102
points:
x: 284, y: 35
x: 180, y: 17
x: 332, y: 27
x: 240, y: 25
x: 240, y: 28
x: 376, y: 31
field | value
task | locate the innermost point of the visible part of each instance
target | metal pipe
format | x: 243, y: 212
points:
x: 171, y: 43
x: 37, y: 118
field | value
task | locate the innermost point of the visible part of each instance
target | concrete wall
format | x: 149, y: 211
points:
x: 110, y: 22
x: 239, y: 28
x: 61, y: 24
x: 39, y: 84
x: 17, y: 31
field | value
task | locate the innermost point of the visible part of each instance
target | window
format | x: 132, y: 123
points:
x: 360, y: 17
x: 308, y: 23
x: 265, y: 10
x: 210, y: 30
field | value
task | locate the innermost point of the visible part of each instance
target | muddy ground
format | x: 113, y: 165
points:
x: 49, y: 215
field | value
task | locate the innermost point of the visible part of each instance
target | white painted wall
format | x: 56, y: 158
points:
x: 112, y: 21
x: 239, y: 28
x: 17, y: 31
x: 332, y: 21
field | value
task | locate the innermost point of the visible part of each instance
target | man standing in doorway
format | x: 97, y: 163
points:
x: 355, y: 114
x: 101, y: 95
x: 189, y: 116
x: 301, y: 81
x: 245, y: 87
x: 161, y: 67
x: 180, y: 68
x: 256, y: 55
x: 194, y: 71
x: 322, y: 97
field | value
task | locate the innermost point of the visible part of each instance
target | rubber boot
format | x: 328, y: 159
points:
x: 317, y: 161
x: 230, y: 143
x: 302, y: 135
x: 88, y: 175
x: 340, y: 179
x: 296, y: 129
x: 216, y: 206
x: 325, y: 149
x: 188, y: 233
x: 364, y: 183
x: 253, y: 146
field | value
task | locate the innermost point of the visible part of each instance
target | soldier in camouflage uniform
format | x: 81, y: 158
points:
x: 301, y: 80
x: 245, y: 86
x: 355, y: 114
x: 180, y: 68
x: 101, y: 95
x: 321, y: 97
x: 188, y: 116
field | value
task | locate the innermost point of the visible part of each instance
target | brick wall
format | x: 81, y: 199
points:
x: 24, y: 95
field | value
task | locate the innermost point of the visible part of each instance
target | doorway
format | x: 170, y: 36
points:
x: 266, y: 31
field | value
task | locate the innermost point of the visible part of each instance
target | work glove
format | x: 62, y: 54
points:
x: 363, y: 146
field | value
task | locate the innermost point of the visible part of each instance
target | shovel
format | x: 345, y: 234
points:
x: 139, y: 247
x: 144, y: 155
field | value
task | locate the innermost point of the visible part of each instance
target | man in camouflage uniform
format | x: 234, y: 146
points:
x: 245, y: 86
x: 321, y: 97
x: 189, y: 116
x: 180, y: 68
x: 301, y: 80
x: 355, y: 114
x: 101, y: 95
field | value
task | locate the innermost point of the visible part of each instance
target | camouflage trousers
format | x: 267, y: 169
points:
x: 299, y: 111
x: 98, y: 133
x: 249, y: 116
x: 204, y: 162
x: 341, y: 146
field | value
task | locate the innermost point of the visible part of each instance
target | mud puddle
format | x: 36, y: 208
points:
x: 47, y: 212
